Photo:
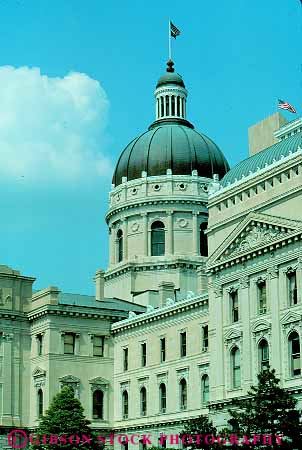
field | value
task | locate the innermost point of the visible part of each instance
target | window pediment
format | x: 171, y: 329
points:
x: 260, y: 326
x: 291, y: 317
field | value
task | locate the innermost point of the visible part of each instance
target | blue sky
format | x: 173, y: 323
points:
x: 76, y: 85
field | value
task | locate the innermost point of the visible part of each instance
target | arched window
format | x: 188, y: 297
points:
x: 119, y: 245
x: 143, y: 398
x: 162, y: 398
x: 294, y: 348
x: 125, y: 405
x: 263, y: 355
x: 40, y: 403
x: 203, y: 240
x: 183, y: 393
x: 157, y: 238
x: 205, y: 389
x: 236, y: 370
x: 98, y: 401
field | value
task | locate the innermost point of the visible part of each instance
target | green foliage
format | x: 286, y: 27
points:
x: 65, y: 417
x: 269, y: 410
x: 199, y: 426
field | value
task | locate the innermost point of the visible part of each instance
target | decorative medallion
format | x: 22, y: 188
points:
x: 182, y: 222
x: 135, y: 226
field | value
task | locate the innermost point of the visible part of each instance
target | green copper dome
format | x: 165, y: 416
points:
x: 171, y: 145
x: 170, y: 78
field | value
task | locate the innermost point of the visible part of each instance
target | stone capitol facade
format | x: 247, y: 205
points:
x: 203, y: 288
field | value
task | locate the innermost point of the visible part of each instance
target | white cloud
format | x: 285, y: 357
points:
x: 52, y: 128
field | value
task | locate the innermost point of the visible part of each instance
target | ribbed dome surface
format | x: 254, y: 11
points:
x: 172, y: 146
x: 170, y: 78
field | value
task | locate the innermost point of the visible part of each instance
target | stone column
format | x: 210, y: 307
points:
x: 244, y: 317
x: 112, y: 247
x: 144, y: 217
x: 7, y: 343
x: 169, y: 245
x: 217, y: 372
x: 195, y: 233
x: 275, y: 346
x: 125, y: 238
x: 202, y: 280
x: 180, y: 106
x: 299, y: 280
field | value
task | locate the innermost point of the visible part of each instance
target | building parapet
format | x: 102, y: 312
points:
x: 172, y: 307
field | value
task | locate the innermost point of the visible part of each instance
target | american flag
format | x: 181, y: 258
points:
x: 285, y: 105
x: 174, y: 30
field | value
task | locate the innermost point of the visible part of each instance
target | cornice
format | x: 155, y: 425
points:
x: 157, y: 314
x: 222, y: 222
x: 255, y: 253
x: 131, y: 266
x: 112, y: 315
x: 269, y: 264
x: 163, y: 201
x: 257, y: 177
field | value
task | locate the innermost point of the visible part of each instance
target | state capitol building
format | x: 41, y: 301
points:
x: 203, y: 288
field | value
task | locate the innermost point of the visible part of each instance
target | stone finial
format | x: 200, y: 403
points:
x: 170, y: 65
x: 131, y: 315
x: 149, y: 308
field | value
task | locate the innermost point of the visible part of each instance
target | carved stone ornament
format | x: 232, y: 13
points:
x: 135, y: 226
x: 182, y: 223
x: 272, y: 272
x: 99, y: 383
x: 217, y: 288
x: 244, y: 282
x: 74, y: 382
x: 255, y: 234
x: 39, y: 376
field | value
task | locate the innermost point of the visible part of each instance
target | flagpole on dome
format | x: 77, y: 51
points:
x: 170, y: 49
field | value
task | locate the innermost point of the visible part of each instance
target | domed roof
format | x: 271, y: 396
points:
x: 170, y: 78
x: 171, y: 145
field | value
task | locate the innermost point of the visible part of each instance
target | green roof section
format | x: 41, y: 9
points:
x: 262, y: 159
x: 90, y: 302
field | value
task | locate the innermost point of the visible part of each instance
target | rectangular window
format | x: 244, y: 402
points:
x: 98, y: 345
x: 261, y: 285
x: 183, y: 344
x: 292, y: 287
x: 234, y: 305
x: 162, y: 349
x: 125, y: 359
x: 40, y: 343
x: 205, y: 338
x: 144, y: 354
x: 69, y: 341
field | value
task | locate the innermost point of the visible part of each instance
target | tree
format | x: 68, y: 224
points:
x: 198, y: 434
x: 269, y: 410
x: 65, y: 418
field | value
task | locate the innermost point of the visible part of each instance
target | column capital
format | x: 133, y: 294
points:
x: 244, y: 282
x: 273, y: 272
x: 169, y: 212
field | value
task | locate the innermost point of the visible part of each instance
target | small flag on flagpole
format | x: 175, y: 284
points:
x: 286, y: 105
x: 174, y: 30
